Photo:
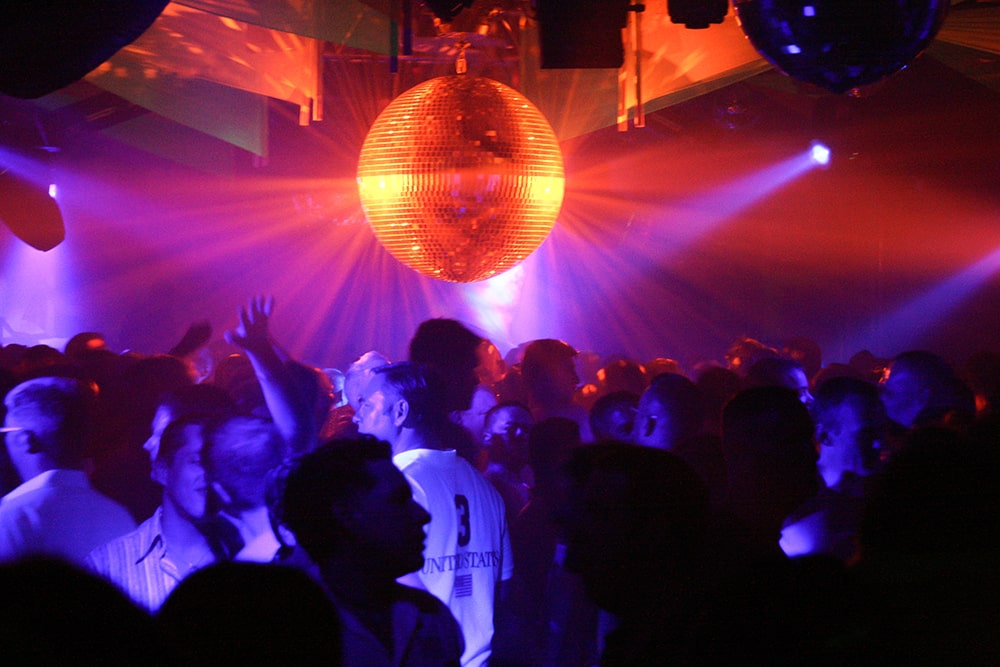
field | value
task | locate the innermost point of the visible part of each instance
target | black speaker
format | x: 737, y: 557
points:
x: 697, y: 14
x: 582, y: 34
x: 46, y: 45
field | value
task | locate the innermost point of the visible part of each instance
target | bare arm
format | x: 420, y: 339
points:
x: 289, y: 408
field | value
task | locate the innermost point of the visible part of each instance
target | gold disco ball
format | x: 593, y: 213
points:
x: 461, y: 178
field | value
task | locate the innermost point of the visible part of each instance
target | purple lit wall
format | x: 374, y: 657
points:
x: 709, y: 224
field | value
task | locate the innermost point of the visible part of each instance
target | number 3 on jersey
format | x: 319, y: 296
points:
x: 464, y: 525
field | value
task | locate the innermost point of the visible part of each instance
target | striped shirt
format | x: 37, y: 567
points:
x: 139, y: 565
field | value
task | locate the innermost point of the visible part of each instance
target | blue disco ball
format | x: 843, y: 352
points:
x: 840, y: 44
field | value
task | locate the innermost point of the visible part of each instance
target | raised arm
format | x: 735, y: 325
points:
x: 289, y: 405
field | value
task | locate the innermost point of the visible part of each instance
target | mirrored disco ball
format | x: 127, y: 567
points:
x: 461, y: 178
x: 840, y: 44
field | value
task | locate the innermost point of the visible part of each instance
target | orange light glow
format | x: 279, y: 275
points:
x: 461, y: 178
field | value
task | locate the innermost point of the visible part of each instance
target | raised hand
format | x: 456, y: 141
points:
x: 197, y: 336
x: 252, y: 332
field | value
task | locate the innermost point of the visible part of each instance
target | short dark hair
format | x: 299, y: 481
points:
x: 540, y: 355
x: 437, y: 341
x: 766, y: 422
x: 420, y: 386
x: 772, y: 372
x: 929, y: 367
x: 664, y: 494
x: 451, y: 349
x: 313, y: 483
x: 172, y: 439
x: 492, y: 412
x: 682, y: 399
x: 835, y: 391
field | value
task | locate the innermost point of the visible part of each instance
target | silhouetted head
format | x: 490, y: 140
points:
x: 634, y: 522
x: 921, y: 386
x: 451, y: 349
x: 940, y: 494
x: 779, y: 372
x: 623, y: 375
x: 769, y: 449
x: 250, y: 613
x: 669, y: 411
x: 53, y: 613
x: 83, y: 343
x: 659, y: 365
x: 981, y: 373
x: 548, y: 371
x: 745, y: 352
x: 718, y: 385
x: 806, y: 352
x: 347, y: 500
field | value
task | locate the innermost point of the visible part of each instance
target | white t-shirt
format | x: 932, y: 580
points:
x: 467, y: 550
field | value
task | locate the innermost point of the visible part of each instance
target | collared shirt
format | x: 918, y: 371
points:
x: 139, y: 565
x: 58, y: 513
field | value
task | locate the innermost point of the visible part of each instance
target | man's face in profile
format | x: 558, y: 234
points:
x: 387, y: 525
x: 375, y: 414
x: 184, y: 477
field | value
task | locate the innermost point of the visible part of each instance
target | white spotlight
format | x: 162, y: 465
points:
x: 53, y: 190
x: 819, y: 153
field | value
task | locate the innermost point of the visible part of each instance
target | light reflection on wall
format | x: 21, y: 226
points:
x: 686, y: 220
x: 671, y: 241
x: 911, y: 321
x: 36, y: 302
x: 36, y: 306
x: 494, y: 304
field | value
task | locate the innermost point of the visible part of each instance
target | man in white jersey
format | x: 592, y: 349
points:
x: 467, y: 555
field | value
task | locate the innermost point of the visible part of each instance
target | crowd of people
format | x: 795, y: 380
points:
x: 461, y: 508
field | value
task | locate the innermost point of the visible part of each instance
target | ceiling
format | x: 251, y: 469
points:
x: 191, y: 179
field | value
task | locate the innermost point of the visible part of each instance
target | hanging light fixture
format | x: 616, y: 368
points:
x: 461, y: 178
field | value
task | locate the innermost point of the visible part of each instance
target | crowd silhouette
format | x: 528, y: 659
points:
x: 462, y: 508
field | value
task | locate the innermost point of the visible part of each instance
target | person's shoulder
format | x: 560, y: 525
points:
x: 111, y: 508
x: 425, y: 461
x: 422, y: 600
x: 475, y: 477
x: 143, y: 536
x: 20, y: 509
x: 438, y: 638
x: 434, y: 613
x: 26, y: 493
x: 13, y: 505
